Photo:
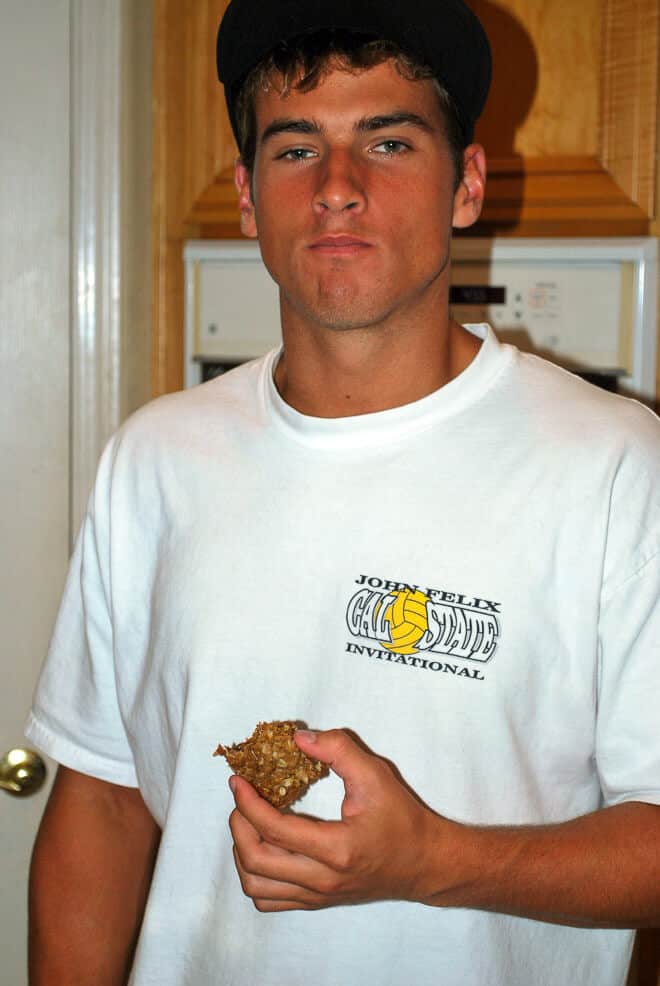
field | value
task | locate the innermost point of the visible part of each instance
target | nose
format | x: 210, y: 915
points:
x: 340, y: 186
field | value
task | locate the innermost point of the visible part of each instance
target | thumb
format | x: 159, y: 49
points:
x: 345, y: 756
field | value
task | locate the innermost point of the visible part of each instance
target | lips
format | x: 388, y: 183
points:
x: 340, y: 243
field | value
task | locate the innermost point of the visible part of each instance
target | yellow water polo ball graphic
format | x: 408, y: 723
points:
x: 407, y: 619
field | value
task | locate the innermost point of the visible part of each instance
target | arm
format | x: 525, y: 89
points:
x: 601, y: 869
x: 90, y: 875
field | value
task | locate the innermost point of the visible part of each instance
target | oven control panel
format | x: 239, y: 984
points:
x: 577, y: 315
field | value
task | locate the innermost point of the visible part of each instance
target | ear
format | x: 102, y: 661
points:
x: 242, y: 180
x: 469, y: 196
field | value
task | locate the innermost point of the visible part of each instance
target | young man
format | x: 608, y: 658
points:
x: 396, y: 525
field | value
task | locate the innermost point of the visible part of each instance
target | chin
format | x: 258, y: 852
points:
x: 343, y: 319
x: 341, y: 312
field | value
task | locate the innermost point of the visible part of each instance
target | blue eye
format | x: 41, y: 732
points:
x: 391, y: 147
x: 295, y: 154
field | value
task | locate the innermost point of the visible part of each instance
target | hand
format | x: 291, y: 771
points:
x: 602, y: 869
x: 380, y: 850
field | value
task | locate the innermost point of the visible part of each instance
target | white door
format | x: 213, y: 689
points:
x: 34, y: 400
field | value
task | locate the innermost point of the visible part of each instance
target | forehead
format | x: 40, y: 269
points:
x: 344, y: 96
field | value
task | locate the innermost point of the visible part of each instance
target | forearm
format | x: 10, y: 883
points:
x: 90, y: 875
x: 602, y: 869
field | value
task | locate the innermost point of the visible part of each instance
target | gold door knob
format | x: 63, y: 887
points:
x: 22, y: 772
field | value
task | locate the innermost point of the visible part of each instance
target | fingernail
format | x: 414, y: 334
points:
x: 232, y: 782
x: 307, y: 734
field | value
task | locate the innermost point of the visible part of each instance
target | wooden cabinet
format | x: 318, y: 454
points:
x: 570, y: 132
x: 570, y: 128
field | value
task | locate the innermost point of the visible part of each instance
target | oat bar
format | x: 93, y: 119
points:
x: 273, y: 764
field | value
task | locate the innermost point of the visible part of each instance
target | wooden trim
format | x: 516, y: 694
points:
x: 542, y: 191
x: 159, y: 190
x: 169, y: 230
x: 218, y: 203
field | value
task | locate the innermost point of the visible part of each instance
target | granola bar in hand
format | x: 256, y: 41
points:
x: 273, y: 764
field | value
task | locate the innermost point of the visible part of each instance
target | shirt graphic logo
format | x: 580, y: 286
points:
x: 406, y: 619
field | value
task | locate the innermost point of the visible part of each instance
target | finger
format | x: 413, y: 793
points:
x: 306, y: 836
x: 271, y: 894
x: 243, y: 832
x: 266, y: 906
x: 335, y: 747
x: 356, y: 766
x: 262, y: 860
x: 275, y: 906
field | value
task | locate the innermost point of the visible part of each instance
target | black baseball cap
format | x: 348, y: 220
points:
x: 443, y: 34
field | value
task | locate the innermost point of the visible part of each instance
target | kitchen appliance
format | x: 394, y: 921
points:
x: 588, y: 304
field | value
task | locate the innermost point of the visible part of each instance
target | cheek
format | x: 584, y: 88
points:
x: 424, y: 197
x: 279, y: 202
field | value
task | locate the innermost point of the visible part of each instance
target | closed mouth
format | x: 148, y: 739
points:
x: 339, y: 242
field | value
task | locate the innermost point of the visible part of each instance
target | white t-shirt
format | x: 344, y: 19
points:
x: 470, y: 582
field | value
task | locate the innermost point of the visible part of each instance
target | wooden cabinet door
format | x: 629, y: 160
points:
x: 570, y: 127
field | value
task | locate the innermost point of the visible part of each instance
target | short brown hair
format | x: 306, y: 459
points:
x: 302, y: 63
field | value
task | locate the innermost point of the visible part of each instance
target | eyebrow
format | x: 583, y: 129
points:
x: 367, y: 124
x: 398, y: 119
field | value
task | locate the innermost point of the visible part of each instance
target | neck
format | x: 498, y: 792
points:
x: 331, y: 373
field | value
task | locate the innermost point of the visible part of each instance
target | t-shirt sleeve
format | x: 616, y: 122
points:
x: 75, y: 716
x: 628, y: 723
